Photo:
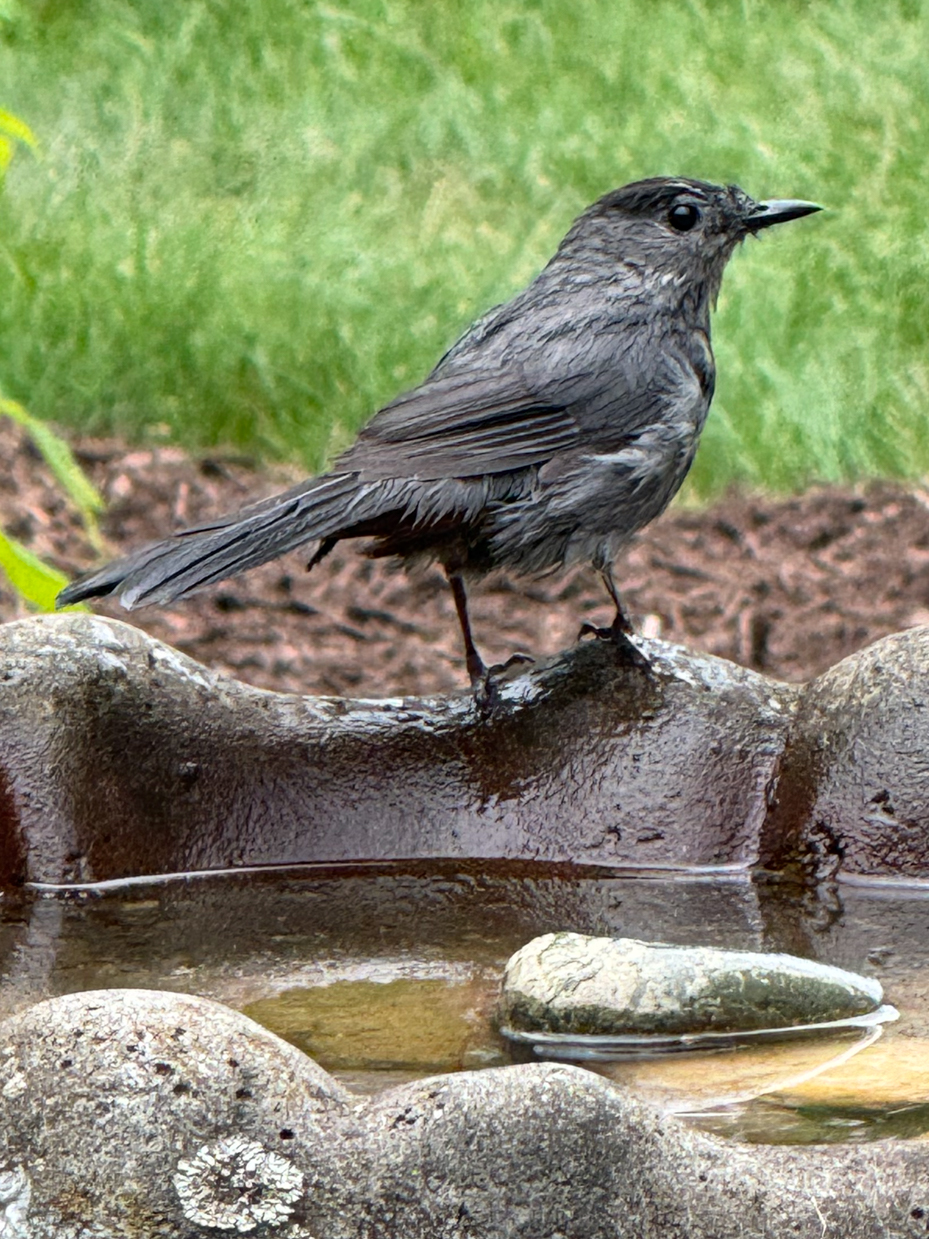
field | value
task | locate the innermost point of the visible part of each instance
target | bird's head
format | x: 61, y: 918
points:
x: 682, y: 230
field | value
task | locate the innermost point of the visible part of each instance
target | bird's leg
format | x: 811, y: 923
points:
x: 618, y: 632
x: 473, y: 661
x: 482, y: 678
x: 321, y: 552
x: 621, y: 621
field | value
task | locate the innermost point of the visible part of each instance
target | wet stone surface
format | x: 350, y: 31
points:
x: 585, y: 759
x: 853, y: 790
x: 698, y: 765
x: 574, y: 983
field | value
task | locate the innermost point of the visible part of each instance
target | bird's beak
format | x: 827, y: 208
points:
x: 778, y: 211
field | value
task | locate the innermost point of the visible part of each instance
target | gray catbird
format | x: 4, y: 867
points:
x: 560, y: 424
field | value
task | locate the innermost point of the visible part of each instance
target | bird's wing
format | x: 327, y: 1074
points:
x: 462, y: 425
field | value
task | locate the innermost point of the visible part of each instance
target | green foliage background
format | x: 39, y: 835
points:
x: 35, y: 582
x: 254, y: 222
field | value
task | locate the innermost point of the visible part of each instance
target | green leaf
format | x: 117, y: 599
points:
x: 29, y: 576
x: 12, y: 130
x: 13, y: 127
x: 60, y: 459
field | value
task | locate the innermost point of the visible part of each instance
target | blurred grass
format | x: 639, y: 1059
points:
x: 252, y: 223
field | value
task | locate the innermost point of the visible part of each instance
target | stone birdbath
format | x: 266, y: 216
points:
x: 191, y: 867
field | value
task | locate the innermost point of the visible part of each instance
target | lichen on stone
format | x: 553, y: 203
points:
x: 15, y: 1194
x: 235, y: 1184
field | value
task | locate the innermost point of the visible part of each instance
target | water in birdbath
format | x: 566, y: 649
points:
x: 388, y: 972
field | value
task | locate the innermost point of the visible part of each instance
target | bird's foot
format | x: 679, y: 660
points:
x: 618, y: 634
x: 591, y: 630
x: 514, y: 660
x: 485, y: 682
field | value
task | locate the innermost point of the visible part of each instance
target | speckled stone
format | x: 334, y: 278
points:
x: 852, y: 794
x: 142, y: 1115
x: 574, y: 983
x: 114, y: 1103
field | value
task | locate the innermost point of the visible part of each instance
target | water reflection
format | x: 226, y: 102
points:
x: 605, y: 1048
x: 385, y: 972
x: 770, y: 1121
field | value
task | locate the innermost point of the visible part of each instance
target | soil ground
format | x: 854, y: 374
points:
x: 787, y: 586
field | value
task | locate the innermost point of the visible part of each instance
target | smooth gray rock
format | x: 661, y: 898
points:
x: 119, y: 756
x: 574, y: 983
x: 99, y: 1139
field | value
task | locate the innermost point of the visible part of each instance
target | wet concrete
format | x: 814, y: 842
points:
x: 120, y: 757
x: 123, y: 757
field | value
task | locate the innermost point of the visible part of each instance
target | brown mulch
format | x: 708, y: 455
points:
x: 786, y: 586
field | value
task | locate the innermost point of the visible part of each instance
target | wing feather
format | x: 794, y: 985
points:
x: 461, y: 426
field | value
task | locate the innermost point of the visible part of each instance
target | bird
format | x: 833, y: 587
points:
x: 559, y: 425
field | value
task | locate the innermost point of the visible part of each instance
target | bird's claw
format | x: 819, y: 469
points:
x: 485, y: 685
x: 628, y: 651
x: 514, y: 660
x: 591, y: 630
x: 486, y: 694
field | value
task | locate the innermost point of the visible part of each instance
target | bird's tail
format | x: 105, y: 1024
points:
x: 163, y: 571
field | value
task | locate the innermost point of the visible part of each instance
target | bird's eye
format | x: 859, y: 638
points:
x: 683, y: 216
